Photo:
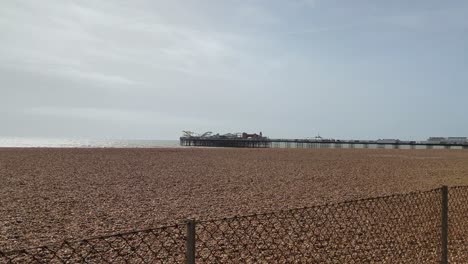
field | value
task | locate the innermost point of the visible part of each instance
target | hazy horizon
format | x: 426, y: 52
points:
x: 175, y: 139
x: 291, y: 69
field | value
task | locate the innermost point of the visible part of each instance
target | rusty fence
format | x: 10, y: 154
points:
x: 418, y: 227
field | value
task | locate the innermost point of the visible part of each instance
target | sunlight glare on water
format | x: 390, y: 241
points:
x: 84, y: 143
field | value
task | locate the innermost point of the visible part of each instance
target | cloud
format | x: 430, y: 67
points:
x: 309, y: 3
x: 257, y: 14
x: 84, y: 40
x: 229, y: 63
x: 429, y: 20
x: 93, y: 76
x: 110, y: 115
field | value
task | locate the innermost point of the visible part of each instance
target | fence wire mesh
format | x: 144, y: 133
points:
x: 394, y: 229
x: 458, y: 224
x: 161, y: 245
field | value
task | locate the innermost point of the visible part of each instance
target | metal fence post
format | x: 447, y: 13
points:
x: 444, y: 259
x: 190, y: 254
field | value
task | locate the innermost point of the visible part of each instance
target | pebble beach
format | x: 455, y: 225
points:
x: 48, y: 195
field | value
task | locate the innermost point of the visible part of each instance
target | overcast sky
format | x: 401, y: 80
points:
x: 150, y: 69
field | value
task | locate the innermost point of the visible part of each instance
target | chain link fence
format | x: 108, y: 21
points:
x: 458, y: 224
x: 407, y: 228
x: 403, y: 228
x: 161, y: 245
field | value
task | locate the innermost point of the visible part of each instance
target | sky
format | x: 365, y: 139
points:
x: 147, y: 69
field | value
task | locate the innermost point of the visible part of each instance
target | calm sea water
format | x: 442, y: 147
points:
x: 85, y: 143
x: 105, y: 143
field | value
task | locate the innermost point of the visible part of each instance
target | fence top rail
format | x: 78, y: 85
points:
x: 290, y: 210
x: 458, y: 187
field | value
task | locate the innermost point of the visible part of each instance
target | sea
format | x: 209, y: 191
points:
x: 29, y: 142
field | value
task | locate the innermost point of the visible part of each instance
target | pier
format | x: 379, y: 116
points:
x: 263, y: 142
x: 225, y: 142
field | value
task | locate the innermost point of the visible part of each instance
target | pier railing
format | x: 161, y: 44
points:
x: 418, y: 227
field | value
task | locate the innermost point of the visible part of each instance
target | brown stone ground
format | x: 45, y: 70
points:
x: 48, y: 195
